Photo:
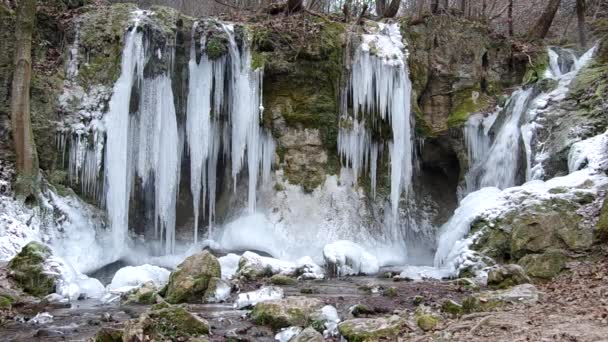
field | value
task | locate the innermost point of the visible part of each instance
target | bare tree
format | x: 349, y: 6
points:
x: 25, y: 148
x: 392, y: 9
x: 380, y: 6
x: 294, y: 5
x: 580, y: 14
x: 510, y: 18
x: 542, y: 25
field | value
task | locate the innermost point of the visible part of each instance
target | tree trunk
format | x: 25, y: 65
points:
x: 463, y: 7
x: 542, y: 25
x: 294, y: 5
x: 510, y: 19
x: 392, y: 9
x: 434, y: 6
x: 25, y: 148
x: 380, y: 7
x: 580, y: 14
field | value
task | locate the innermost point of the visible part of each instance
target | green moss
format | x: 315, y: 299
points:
x: 536, y: 70
x: 174, y: 323
x: 371, y: 329
x: 452, y: 308
x: 390, y: 292
x: 279, y: 279
x: 258, y: 60
x: 601, y: 228
x: 546, y: 265
x: 427, y: 322
x: 108, y: 335
x: 217, y: 45
x: 362, y: 310
x: 27, y: 269
x: 417, y: 300
x: 190, y: 281
x: 6, y: 302
x: 465, y: 103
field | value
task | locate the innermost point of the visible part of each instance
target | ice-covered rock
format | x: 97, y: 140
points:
x: 42, y: 318
x: 135, y: 276
x: 217, y: 291
x: 348, y: 258
x: 252, y: 266
x: 252, y: 298
x: 308, y: 269
x: 229, y: 263
x: 287, y: 334
x: 289, y: 311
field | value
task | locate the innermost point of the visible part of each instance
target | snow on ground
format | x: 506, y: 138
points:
x: 350, y: 258
x: 262, y: 295
x: 131, y: 277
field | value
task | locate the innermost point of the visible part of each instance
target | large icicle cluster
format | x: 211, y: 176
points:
x: 379, y: 89
x: 211, y: 113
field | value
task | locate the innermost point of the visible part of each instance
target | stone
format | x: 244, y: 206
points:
x: 27, y: 270
x: 506, y: 276
x: 427, y: 322
x: 451, y: 307
x: 279, y: 279
x: 372, y: 329
x: 282, y: 313
x: 546, y: 265
x: 173, y: 323
x: 190, y: 281
x: 108, y: 335
x: 524, y: 293
x: 217, y: 291
x: 308, y: 335
x: 146, y: 294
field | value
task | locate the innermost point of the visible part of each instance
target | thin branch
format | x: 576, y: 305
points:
x: 227, y: 5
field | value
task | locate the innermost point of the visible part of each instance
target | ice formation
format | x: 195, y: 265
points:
x: 134, y: 276
x: 349, y: 258
x: 379, y: 89
x: 262, y: 295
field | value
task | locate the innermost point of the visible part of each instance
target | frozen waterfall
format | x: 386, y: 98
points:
x: 206, y: 119
x: 379, y: 89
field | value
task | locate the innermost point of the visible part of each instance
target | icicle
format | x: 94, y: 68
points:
x: 379, y: 84
x: 117, y: 163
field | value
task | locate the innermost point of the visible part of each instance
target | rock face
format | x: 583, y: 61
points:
x: 191, y: 279
x: 538, y: 235
x: 291, y: 311
x: 372, y: 329
x: 27, y: 270
x: 172, y: 323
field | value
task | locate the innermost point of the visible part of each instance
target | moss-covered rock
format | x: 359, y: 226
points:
x: 173, y: 323
x: 601, y: 228
x: 452, y: 308
x: 279, y: 279
x: 308, y: 335
x: 372, y: 329
x: 546, y: 265
x: 146, y: 294
x: 290, y: 311
x: 427, y: 322
x: 109, y: 335
x: 190, y: 281
x: 502, y: 277
x: 27, y: 270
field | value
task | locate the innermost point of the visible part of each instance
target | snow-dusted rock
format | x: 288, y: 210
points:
x: 348, y: 258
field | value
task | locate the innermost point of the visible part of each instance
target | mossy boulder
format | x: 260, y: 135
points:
x: 27, y: 270
x: 109, y: 335
x: 308, y: 335
x: 190, y: 281
x: 146, y: 294
x: 426, y: 321
x: 173, y: 323
x: 279, y: 279
x: 372, y: 329
x: 601, y: 228
x: 452, y: 308
x: 282, y: 313
x: 546, y: 265
x: 502, y: 277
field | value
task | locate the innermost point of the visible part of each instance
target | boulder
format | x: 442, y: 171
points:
x: 308, y: 335
x: 146, y: 294
x: 291, y: 311
x: 190, y: 281
x: 373, y: 329
x: 546, y: 265
x: 108, y: 335
x: 264, y: 294
x: 279, y: 279
x: 253, y: 266
x: 172, y: 323
x: 217, y: 291
x: 27, y: 269
x: 505, y: 276
x: 427, y: 322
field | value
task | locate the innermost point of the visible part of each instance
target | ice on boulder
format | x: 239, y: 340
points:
x: 229, y: 263
x: 348, y: 258
x: 262, y: 295
x: 131, y: 277
x: 590, y: 153
x: 329, y: 315
x: 251, y: 265
x: 308, y: 269
x: 42, y: 318
x: 286, y: 334
x: 70, y: 283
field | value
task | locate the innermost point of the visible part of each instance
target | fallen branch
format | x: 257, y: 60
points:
x: 479, y: 324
